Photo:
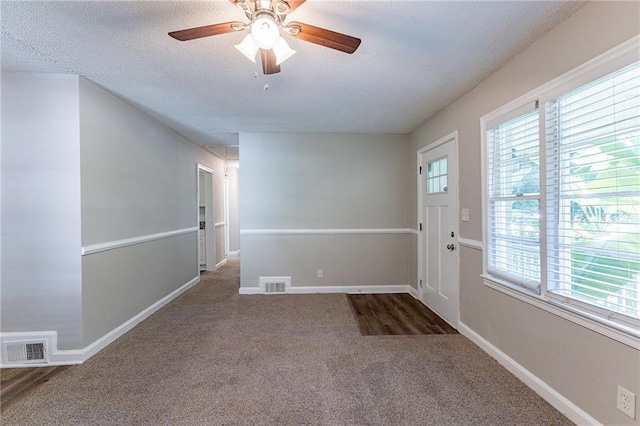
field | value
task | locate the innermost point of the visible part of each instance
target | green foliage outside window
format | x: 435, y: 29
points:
x: 605, y: 254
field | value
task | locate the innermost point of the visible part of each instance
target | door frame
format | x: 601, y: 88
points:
x: 453, y: 138
x: 209, y: 222
x: 226, y: 216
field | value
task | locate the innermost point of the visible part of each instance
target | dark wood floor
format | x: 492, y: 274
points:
x: 18, y: 382
x: 395, y: 314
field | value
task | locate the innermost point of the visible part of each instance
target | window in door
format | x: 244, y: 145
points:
x: 437, y: 176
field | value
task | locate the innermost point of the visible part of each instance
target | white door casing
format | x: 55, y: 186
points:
x: 226, y: 217
x: 205, y: 200
x: 438, y: 258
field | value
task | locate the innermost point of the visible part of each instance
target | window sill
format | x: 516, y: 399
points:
x: 615, y: 331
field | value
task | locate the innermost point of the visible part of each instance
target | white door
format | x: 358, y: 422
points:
x: 438, y: 217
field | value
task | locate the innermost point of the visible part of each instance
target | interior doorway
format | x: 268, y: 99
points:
x: 439, y: 261
x: 205, y: 206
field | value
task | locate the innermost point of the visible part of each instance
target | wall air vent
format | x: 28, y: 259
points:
x: 274, y: 285
x: 25, y: 352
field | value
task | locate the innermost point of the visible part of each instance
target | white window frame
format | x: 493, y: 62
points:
x: 607, y: 63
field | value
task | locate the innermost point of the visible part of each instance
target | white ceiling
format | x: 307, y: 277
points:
x: 415, y: 58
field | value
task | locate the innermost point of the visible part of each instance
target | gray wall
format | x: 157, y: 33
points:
x: 82, y: 167
x: 582, y: 365
x: 138, y: 178
x: 325, y: 181
x: 41, y: 276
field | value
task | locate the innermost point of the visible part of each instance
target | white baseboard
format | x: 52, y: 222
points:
x: 553, y: 397
x: 367, y: 289
x: 250, y: 290
x: 234, y: 253
x: 220, y: 264
x: 371, y: 289
x: 108, y: 338
x: 412, y: 291
x: 67, y: 357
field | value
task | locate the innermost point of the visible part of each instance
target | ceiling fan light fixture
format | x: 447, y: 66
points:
x: 266, y: 19
x: 282, y: 51
x: 248, y: 48
x: 265, y: 31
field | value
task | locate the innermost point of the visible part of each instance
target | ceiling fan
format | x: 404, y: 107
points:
x: 267, y: 18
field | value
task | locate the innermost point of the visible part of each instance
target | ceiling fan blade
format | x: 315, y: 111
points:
x: 206, y: 31
x: 326, y: 38
x: 269, y: 62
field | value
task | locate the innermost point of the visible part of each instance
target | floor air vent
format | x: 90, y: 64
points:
x: 21, y: 352
x: 275, y: 285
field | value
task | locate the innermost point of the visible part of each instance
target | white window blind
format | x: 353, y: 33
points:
x: 593, y: 196
x: 513, y: 200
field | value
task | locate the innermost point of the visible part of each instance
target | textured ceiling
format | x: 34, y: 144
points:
x: 415, y: 58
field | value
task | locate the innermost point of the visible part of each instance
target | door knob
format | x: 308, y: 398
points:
x: 451, y: 247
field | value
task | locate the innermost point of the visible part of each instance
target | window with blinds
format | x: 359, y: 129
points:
x: 593, y: 195
x: 562, y: 198
x: 513, y: 200
x: 574, y: 162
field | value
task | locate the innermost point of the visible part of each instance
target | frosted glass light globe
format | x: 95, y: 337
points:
x: 282, y: 51
x: 248, y: 48
x: 265, y: 32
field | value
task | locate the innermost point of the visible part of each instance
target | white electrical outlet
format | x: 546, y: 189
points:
x: 626, y: 402
x: 320, y: 273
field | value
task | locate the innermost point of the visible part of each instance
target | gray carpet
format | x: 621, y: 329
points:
x: 213, y: 357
